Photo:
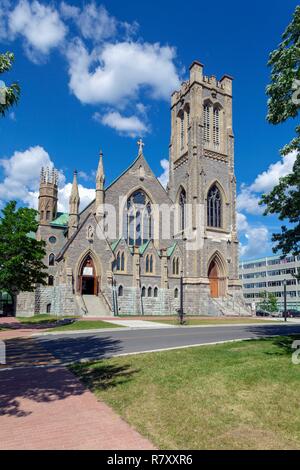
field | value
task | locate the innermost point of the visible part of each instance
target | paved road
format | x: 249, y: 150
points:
x: 71, y: 348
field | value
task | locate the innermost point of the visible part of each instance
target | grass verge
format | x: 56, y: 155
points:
x: 242, y: 395
x: 86, y: 325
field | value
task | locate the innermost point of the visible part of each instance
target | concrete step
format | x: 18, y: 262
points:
x: 95, y: 306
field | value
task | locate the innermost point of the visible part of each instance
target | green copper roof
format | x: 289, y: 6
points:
x: 170, y: 249
x: 143, y: 247
x: 61, y: 219
x: 114, y: 245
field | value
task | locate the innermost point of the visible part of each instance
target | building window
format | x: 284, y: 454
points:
x: 176, y: 293
x: 48, y: 215
x: 42, y: 215
x: 149, y: 264
x: 120, y: 291
x: 206, y: 122
x: 120, y: 261
x: 216, y: 127
x: 175, y: 266
x: 143, y: 291
x: 138, y: 219
x: 51, y: 259
x: 52, y: 239
x: 181, y: 131
x: 149, y: 291
x: 50, y: 280
x: 214, y: 207
x: 182, y: 207
x: 155, y: 292
x: 48, y: 308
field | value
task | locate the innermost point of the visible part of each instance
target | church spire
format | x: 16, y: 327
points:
x: 74, y: 202
x: 100, y: 179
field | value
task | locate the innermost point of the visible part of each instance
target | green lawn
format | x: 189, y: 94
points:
x: 86, y: 325
x: 242, y: 395
x: 214, y: 321
x: 42, y: 319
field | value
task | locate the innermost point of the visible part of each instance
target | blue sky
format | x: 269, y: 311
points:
x: 69, y: 109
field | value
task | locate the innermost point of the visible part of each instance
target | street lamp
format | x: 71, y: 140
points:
x: 284, y: 296
x: 181, y: 313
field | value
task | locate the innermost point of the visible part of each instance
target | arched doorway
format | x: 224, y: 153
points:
x: 217, y: 278
x: 88, y: 279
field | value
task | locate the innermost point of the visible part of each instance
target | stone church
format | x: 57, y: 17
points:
x: 139, y: 248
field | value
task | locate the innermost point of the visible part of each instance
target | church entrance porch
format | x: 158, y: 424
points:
x: 88, y: 281
x: 217, y: 278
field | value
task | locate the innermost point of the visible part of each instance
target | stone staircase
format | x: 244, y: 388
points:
x: 94, y: 306
x: 228, y: 306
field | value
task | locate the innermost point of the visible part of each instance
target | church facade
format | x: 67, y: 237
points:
x: 139, y: 248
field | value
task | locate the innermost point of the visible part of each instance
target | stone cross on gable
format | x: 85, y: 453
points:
x: 141, y: 145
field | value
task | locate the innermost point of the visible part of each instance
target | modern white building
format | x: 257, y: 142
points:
x: 268, y: 274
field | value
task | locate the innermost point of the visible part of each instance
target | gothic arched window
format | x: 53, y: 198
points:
x: 138, y: 219
x: 120, y: 291
x: 120, y: 261
x: 176, y: 266
x: 149, y: 264
x: 51, y: 259
x: 50, y: 280
x: 214, y: 207
x: 150, y: 291
x: 155, y: 292
x: 182, y: 203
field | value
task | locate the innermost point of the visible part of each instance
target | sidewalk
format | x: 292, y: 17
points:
x: 48, y: 408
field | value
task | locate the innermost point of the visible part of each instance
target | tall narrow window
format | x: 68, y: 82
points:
x: 214, y: 207
x: 216, y: 127
x: 175, y: 266
x: 181, y: 131
x: 120, y: 261
x: 182, y: 203
x: 206, y: 123
x: 139, y: 219
x: 51, y: 259
x: 149, y: 264
x: 123, y: 261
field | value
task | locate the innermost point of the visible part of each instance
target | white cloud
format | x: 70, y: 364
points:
x: 22, y: 176
x: 164, y: 177
x: 120, y: 71
x: 39, y: 25
x: 248, y: 201
x: 86, y: 196
x: 131, y: 125
x: 266, y: 180
x: 256, y: 238
x: 249, y: 196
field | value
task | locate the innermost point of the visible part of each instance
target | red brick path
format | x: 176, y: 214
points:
x: 48, y: 408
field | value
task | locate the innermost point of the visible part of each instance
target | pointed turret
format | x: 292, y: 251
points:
x: 100, y: 179
x: 74, y: 202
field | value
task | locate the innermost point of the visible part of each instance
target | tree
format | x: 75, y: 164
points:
x: 284, y: 103
x: 21, y: 255
x: 9, y: 95
x: 269, y: 302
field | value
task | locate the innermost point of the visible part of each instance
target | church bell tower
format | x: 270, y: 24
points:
x: 48, y: 195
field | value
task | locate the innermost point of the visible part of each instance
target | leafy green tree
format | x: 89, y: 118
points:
x: 9, y: 95
x: 21, y: 255
x: 284, y: 103
x: 269, y: 302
